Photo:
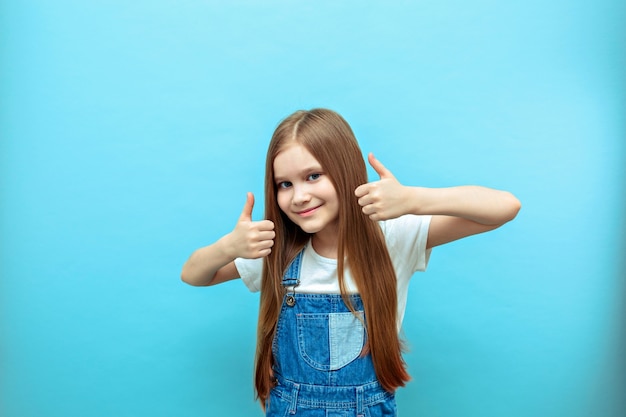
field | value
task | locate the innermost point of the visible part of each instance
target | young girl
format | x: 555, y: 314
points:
x: 333, y: 260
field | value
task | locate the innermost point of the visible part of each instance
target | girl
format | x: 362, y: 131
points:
x: 333, y: 261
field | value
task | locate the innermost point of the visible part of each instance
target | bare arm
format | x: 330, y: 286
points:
x: 214, y: 264
x: 209, y: 265
x: 457, y: 211
x: 464, y: 211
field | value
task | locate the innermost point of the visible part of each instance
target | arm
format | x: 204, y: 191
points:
x: 462, y: 211
x: 214, y: 264
x: 457, y: 211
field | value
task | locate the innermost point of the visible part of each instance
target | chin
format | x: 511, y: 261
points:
x: 310, y: 229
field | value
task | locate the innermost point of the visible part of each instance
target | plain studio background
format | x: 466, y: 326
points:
x: 131, y: 132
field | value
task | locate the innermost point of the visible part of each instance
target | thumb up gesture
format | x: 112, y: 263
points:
x: 384, y: 199
x: 250, y: 239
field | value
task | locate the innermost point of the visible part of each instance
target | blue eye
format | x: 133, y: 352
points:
x: 284, y: 184
x: 313, y: 177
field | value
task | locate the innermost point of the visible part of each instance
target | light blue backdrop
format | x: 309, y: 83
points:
x: 131, y: 131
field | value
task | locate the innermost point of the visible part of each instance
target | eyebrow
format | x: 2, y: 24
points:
x: 302, y: 172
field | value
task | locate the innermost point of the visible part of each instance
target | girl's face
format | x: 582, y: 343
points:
x: 305, y: 193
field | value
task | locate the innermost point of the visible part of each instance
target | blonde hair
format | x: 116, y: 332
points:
x: 329, y: 138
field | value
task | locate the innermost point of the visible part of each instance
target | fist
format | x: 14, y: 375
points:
x: 251, y: 239
x: 384, y: 199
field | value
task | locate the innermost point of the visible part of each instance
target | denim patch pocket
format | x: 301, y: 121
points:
x: 330, y: 341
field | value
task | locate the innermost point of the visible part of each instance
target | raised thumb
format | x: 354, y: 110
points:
x: 246, y: 213
x: 379, y: 167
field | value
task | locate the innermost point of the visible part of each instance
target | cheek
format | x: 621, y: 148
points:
x: 330, y: 192
x: 282, y: 198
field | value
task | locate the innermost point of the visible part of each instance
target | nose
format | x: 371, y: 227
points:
x: 300, y: 195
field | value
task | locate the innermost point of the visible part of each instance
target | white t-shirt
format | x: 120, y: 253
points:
x: 406, y: 238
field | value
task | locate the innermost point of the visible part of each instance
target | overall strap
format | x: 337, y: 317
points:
x: 292, y: 275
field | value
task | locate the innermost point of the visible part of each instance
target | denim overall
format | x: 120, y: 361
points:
x: 319, y: 369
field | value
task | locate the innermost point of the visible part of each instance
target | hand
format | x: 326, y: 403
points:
x: 250, y: 239
x: 384, y: 199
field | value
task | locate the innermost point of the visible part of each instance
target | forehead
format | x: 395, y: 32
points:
x: 294, y: 159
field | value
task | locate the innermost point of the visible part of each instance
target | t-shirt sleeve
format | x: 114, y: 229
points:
x: 407, y: 237
x: 250, y: 271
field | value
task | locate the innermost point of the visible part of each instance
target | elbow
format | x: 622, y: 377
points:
x: 184, y: 277
x: 513, y: 206
x: 193, y: 280
x: 187, y: 278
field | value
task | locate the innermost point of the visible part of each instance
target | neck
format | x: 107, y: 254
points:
x: 325, y: 244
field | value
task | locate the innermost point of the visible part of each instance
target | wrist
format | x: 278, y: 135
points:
x: 418, y: 200
x: 429, y: 201
x: 225, y: 249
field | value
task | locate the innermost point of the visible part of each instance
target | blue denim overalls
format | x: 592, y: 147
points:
x: 319, y: 369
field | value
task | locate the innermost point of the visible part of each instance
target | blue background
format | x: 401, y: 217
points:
x: 131, y: 131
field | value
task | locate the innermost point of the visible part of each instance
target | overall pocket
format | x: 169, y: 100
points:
x: 328, y: 342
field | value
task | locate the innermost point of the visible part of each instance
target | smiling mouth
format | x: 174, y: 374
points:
x: 308, y: 211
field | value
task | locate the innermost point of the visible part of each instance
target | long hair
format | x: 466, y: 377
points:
x: 329, y: 138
